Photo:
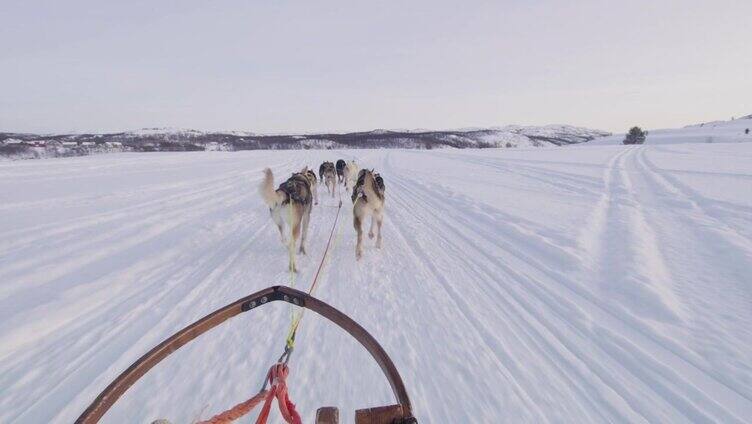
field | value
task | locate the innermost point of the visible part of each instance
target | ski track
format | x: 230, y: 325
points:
x: 565, y: 341
x: 635, y: 307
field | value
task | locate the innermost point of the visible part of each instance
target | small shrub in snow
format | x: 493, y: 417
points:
x: 635, y: 136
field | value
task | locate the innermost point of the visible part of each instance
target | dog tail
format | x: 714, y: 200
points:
x: 271, y: 197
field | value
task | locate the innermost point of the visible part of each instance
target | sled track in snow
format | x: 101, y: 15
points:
x: 550, y: 337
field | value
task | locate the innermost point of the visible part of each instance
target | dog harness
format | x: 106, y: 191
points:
x: 358, y: 190
x: 297, y: 188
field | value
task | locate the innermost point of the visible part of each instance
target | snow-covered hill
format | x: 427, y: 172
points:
x: 593, y: 284
x: 733, y: 131
x: 710, y: 132
x: 171, y: 139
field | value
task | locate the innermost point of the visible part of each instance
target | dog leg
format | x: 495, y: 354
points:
x: 295, y: 236
x: 379, y: 217
x: 280, y: 222
x: 373, y: 225
x: 306, y: 219
x: 359, y: 245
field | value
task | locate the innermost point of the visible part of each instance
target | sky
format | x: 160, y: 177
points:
x: 306, y: 66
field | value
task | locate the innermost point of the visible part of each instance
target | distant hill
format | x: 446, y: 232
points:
x: 166, y: 139
x: 732, y: 131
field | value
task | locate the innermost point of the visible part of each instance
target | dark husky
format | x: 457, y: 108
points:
x: 291, y: 202
x: 329, y: 175
x: 321, y: 171
x: 368, y: 199
x: 341, y: 171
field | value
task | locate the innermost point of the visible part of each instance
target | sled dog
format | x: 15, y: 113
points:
x: 340, y: 170
x: 368, y: 199
x: 328, y: 174
x: 350, y: 174
x: 291, y: 203
x: 321, y: 171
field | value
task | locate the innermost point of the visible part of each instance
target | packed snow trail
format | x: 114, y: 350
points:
x: 580, y: 284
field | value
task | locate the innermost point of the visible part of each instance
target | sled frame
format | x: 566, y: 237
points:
x: 125, y: 380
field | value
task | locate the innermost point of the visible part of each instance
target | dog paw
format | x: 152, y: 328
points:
x: 302, y: 251
x: 370, y: 235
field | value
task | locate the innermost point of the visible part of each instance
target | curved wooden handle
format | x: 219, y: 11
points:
x: 124, y: 381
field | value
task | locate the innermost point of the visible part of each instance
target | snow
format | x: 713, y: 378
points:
x: 13, y: 141
x: 711, y: 132
x: 579, y: 284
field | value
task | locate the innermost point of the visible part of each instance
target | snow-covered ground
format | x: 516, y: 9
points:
x: 579, y: 284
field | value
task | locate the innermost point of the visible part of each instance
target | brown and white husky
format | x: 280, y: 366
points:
x: 292, y: 203
x: 368, y: 199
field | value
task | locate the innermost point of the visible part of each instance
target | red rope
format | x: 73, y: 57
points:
x: 277, y: 377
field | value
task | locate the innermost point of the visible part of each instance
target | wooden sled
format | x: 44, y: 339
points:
x: 399, y: 413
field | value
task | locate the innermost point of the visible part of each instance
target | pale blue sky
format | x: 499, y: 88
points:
x: 301, y: 66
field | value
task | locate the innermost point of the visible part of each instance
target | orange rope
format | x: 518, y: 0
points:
x: 236, y: 411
